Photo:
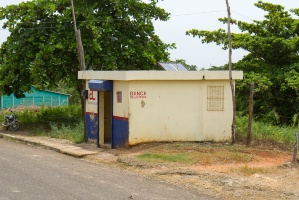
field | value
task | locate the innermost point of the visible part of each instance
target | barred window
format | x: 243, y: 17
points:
x: 215, y: 98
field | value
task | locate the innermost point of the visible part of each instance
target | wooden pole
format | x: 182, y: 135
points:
x: 295, y: 147
x: 78, y: 40
x: 82, y: 63
x: 230, y: 74
x: 250, y: 114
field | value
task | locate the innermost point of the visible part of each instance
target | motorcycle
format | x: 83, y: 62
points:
x: 11, y: 122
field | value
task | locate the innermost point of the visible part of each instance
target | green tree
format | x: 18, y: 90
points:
x: 74, y: 98
x: 41, y: 49
x: 272, y: 61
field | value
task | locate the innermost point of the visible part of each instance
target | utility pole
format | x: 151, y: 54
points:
x: 250, y: 114
x: 82, y: 63
x: 230, y: 74
x: 78, y: 39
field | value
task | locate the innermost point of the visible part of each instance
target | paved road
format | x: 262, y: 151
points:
x: 28, y: 172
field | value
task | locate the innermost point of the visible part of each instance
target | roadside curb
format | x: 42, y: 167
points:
x: 67, y: 149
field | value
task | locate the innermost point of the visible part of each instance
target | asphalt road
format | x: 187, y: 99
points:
x: 28, y: 172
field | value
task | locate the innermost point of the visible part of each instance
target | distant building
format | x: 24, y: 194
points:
x: 35, y: 98
x: 124, y: 108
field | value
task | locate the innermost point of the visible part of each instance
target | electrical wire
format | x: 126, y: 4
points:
x: 200, y: 13
x: 176, y: 15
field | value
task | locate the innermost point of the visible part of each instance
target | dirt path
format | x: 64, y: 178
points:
x: 267, y: 174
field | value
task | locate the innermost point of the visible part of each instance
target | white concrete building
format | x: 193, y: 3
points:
x: 129, y: 107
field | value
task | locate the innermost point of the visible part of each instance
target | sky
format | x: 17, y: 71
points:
x: 201, y: 15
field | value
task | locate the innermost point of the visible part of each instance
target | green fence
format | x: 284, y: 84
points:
x: 35, y: 98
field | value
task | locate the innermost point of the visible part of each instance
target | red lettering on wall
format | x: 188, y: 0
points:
x: 91, y: 95
x: 137, y: 94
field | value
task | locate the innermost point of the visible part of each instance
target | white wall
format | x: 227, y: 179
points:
x: 169, y: 106
x: 92, y: 100
x: 176, y: 111
x: 121, y: 109
x: 216, y: 125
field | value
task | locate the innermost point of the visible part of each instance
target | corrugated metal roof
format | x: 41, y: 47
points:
x: 172, y: 66
x: 50, y: 91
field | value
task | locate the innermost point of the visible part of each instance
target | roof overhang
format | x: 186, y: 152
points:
x: 159, y: 75
x: 100, y: 85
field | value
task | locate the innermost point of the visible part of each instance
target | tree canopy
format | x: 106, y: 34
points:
x: 272, y: 62
x: 41, y: 49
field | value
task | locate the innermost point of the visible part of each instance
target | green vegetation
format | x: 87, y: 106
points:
x: 265, y: 133
x: 196, y: 153
x: 179, y: 157
x: 246, y: 170
x: 272, y: 62
x: 72, y: 133
x: 60, y: 115
x: 66, y: 122
x: 58, y: 122
x: 41, y: 49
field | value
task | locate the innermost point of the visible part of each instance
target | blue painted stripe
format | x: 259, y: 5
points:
x: 92, y: 126
x: 120, y: 134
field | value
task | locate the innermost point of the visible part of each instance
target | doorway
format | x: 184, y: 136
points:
x: 105, y: 119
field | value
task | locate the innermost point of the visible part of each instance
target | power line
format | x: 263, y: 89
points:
x: 200, y: 13
x: 64, y: 22
x: 175, y: 15
x: 242, y: 15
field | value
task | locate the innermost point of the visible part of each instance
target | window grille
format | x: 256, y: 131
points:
x: 215, y: 98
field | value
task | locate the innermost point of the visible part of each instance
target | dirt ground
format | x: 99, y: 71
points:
x: 268, y: 174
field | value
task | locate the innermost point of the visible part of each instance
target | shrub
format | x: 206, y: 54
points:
x: 265, y: 132
x: 60, y: 115
x: 63, y: 122
x: 72, y: 133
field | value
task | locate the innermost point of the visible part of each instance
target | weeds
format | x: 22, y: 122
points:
x: 247, y: 171
x: 198, y: 155
x: 181, y: 158
x: 63, y: 122
x: 74, y: 134
x: 265, y: 133
x: 57, y: 121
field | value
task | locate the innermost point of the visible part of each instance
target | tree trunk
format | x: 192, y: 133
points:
x: 81, y: 88
x: 296, y: 147
x: 250, y: 114
x: 230, y: 74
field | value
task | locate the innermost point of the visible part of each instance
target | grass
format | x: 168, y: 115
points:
x: 247, y: 171
x: 266, y: 133
x: 66, y: 123
x: 179, y: 157
x: 195, y: 153
x: 74, y: 134
x: 230, y: 158
x: 63, y: 122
